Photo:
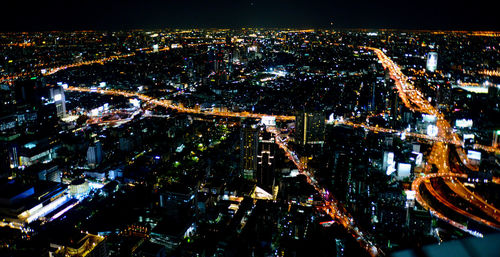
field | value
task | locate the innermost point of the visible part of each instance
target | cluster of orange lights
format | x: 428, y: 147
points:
x: 410, y: 96
x: 415, y: 101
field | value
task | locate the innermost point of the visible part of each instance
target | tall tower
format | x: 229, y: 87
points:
x: 265, y: 160
x: 310, y: 128
x: 56, y: 94
x: 219, y: 62
x: 249, y: 147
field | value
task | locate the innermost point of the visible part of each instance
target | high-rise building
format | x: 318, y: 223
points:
x: 249, y: 148
x: 257, y: 156
x: 432, y: 58
x: 496, y: 138
x: 219, y: 62
x: 310, y: 128
x: 27, y: 92
x: 395, y: 108
x: 94, y: 154
x: 342, y: 178
x: 126, y: 144
x: 48, y: 99
x: 53, y: 174
x: 265, y: 160
x: 56, y: 95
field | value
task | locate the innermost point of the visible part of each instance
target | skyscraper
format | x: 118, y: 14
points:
x: 265, y: 160
x: 310, y: 128
x: 94, y: 154
x: 249, y: 147
x: 56, y: 95
x: 49, y: 99
x: 257, y: 156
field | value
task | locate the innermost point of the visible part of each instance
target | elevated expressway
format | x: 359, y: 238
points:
x: 411, y: 97
x: 439, y: 156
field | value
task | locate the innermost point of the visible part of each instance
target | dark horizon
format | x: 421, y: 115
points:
x: 239, y: 28
x: 154, y: 14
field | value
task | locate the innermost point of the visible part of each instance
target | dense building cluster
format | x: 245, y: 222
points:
x: 247, y: 142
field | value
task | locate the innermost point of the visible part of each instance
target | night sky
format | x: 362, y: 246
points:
x: 17, y: 15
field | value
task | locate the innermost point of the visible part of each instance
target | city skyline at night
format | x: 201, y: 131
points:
x: 255, y: 128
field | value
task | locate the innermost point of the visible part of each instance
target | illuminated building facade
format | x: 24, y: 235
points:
x: 266, y: 161
x: 34, y: 152
x: 310, y: 128
x: 56, y: 96
x: 80, y: 245
x: 432, y: 59
x: 257, y: 156
x: 94, y: 154
x: 249, y: 148
x: 21, y: 204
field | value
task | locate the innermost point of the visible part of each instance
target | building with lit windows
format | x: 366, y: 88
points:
x: 56, y: 96
x: 265, y: 174
x: 33, y: 152
x: 310, y: 128
x: 79, y: 187
x: 21, y: 203
x: 80, y: 244
x: 249, y: 147
x: 94, y: 154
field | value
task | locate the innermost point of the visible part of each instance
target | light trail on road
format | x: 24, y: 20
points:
x: 411, y: 97
x: 332, y: 206
x: 415, y: 101
x: 52, y: 70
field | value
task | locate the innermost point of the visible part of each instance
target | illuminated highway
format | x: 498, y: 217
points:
x: 414, y: 100
x: 179, y: 107
x: 332, y: 206
x: 441, y: 162
x: 221, y: 112
x: 444, y: 132
x: 49, y: 71
x: 425, y: 179
x: 438, y: 156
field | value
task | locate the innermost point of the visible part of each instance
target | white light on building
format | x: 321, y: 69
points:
x: 268, y: 120
x: 432, y: 130
x: 135, y: 102
x: 404, y: 170
x: 464, y: 123
x: 432, y: 59
x: 474, y: 155
x: 410, y: 194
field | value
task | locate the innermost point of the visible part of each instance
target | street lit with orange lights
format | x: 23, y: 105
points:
x: 439, y: 156
x: 331, y: 206
x: 248, y: 142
